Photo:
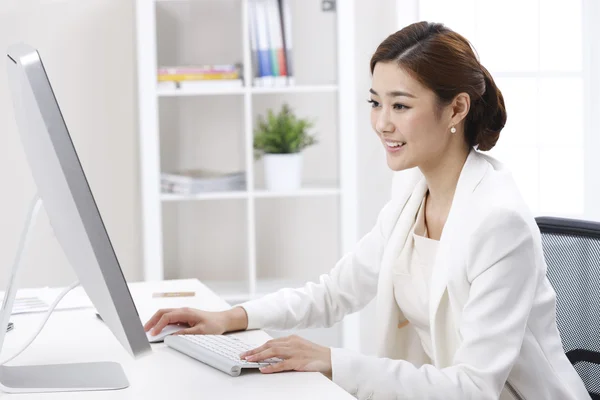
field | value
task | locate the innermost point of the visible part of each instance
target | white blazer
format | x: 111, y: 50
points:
x: 492, y: 309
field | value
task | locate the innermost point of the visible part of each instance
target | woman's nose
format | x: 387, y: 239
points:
x: 384, y: 124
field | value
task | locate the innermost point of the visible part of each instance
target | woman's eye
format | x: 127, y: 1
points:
x: 374, y: 103
x: 399, y: 106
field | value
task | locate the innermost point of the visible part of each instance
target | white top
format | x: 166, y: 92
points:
x: 412, y: 275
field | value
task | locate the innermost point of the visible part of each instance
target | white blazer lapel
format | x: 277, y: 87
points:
x: 473, y: 171
x: 387, y: 309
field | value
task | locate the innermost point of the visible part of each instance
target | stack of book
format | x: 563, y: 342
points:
x: 200, y: 76
x: 271, y: 42
x: 201, y: 181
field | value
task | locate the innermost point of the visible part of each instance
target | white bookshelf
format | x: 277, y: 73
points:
x: 244, y: 244
x: 162, y: 92
x: 306, y: 192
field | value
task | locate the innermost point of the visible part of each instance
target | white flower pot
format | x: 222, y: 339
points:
x: 283, y: 172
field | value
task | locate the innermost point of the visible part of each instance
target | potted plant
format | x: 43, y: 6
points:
x: 280, y: 139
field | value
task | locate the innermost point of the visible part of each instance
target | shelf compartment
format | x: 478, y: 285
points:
x: 297, y: 239
x: 199, y: 243
x: 199, y: 134
x: 184, y: 39
x: 320, y: 162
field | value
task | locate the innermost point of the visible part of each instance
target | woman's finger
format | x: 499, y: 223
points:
x: 155, y: 318
x: 172, y: 317
x: 257, y: 349
x: 265, y: 346
x: 198, y: 329
x: 195, y: 330
x: 285, y: 365
x: 275, y: 351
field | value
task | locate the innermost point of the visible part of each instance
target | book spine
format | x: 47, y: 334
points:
x: 279, y: 48
x: 287, y: 37
x: 256, y: 72
x: 270, y: 40
x: 263, y: 43
x: 274, y: 38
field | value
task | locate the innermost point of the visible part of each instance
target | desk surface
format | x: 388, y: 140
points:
x: 78, y: 336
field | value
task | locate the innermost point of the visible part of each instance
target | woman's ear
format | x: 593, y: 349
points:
x: 460, y: 108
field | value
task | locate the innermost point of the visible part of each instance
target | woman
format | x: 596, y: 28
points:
x: 455, y: 260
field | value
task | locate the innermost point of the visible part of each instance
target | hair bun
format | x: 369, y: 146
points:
x: 489, y: 117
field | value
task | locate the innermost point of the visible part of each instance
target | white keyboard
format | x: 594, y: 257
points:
x: 219, y: 351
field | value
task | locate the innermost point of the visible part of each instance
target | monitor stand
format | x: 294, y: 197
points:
x: 62, y: 377
x: 52, y: 377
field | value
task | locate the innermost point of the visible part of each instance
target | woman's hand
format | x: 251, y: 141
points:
x: 198, y: 321
x: 298, y: 354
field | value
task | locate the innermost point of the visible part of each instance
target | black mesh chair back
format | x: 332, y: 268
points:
x: 572, y: 253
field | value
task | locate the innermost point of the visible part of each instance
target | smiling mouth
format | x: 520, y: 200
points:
x: 394, y: 145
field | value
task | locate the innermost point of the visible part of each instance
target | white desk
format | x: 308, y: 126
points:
x: 78, y: 336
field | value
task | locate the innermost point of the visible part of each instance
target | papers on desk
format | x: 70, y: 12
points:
x: 39, y: 300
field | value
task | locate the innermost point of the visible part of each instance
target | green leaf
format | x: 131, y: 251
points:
x: 282, y: 133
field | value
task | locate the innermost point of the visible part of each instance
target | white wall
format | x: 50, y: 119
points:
x: 88, y: 51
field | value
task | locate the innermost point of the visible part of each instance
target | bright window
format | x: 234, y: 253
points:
x: 533, y: 49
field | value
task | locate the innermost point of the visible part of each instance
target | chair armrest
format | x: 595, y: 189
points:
x: 578, y: 355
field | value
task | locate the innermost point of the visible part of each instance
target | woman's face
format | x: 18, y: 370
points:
x: 406, y: 118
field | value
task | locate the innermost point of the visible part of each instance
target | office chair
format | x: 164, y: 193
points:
x: 572, y: 253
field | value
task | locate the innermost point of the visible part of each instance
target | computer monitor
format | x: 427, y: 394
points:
x: 77, y: 224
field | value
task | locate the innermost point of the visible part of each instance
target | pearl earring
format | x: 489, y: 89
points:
x: 453, y: 130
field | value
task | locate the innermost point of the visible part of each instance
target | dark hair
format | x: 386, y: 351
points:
x: 445, y: 62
